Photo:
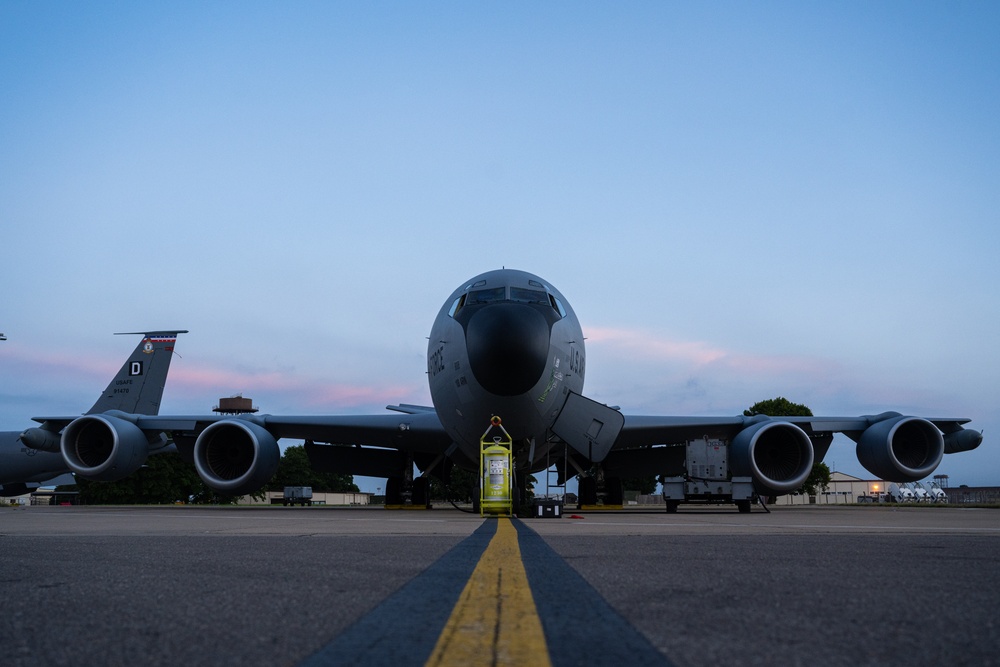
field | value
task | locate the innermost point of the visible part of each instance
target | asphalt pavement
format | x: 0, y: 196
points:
x: 278, y: 586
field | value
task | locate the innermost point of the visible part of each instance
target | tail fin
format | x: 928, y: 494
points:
x: 138, y: 387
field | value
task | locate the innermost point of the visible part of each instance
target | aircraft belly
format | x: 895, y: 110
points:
x: 520, y: 416
x: 29, y: 465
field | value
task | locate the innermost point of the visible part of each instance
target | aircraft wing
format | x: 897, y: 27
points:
x: 417, y: 432
x: 779, y: 451
x: 239, y: 454
x: 639, y: 431
x: 372, y: 445
x: 598, y: 431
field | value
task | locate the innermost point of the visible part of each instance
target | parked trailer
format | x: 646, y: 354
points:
x: 920, y: 493
x: 900, y: 493
x: 297, y: 495
x: 874, y: 497
x: 937, y: 494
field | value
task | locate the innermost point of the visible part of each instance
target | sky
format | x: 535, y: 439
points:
x: 740, y: 200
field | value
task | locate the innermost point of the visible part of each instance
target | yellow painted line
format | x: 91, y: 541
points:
x: 495, y: 621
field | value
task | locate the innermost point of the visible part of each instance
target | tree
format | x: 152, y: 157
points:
x: 778, y: 407
x: 644, y: 486
x: 165, y: 478
x: 462, y: 484
x: 294, y: 469
x: 819, y: 477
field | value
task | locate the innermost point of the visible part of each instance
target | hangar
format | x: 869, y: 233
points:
x: 843, y: 489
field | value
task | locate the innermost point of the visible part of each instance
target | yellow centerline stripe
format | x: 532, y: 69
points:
x: 495, y: 621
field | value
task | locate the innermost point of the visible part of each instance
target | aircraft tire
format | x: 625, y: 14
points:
x: 517, y: 494
x: 394, y: 491
x: 587, y: 491
x: 421, y: 492
x: 616, y: 494
x: 743, y: 506
x: 672, y: 506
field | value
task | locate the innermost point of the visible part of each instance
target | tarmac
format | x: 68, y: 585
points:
x: 313, y: 586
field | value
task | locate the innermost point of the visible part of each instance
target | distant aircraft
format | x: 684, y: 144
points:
x: 31, y: 458
x: 508, y: 344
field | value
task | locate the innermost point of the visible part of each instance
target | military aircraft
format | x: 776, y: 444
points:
x: 31, y: 458
x: 506, y: 343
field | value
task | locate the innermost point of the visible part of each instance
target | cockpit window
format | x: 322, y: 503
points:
x: 557, y: 304
x: 484, y: 296
x: 499, y: 294
x: 522, y: 295
x: 459, y: 302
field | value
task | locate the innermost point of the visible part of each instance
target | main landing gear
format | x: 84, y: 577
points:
x: 405, y: 492
x: 599, y: 492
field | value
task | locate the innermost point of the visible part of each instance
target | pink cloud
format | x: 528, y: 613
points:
x: 649, y: 347
x: 655, y: 347
x: 308, y: 392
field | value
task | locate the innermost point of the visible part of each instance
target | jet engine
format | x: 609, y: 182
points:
x: 103, y: 448
x: 778, y: 455
x: 235, y: 456
x: 901, y: 449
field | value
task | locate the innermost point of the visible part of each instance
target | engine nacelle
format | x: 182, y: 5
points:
x: 778, y: 455
x: 236, y: 457
x: 103, y: 448
x: 41, y: 439
x: 962, y: 441
x: 901, y: 449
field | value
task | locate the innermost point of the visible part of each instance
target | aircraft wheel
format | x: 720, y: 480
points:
x: 421, y: 492
x: 743, y: 506
x: 672, y: 506
x: 394, y: 491
x: 616, y: 494
x: 518, y: 494
x: 587, y: 491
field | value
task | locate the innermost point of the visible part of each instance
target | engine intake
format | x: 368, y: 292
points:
x: 778, y: 455
x: 236, y: 457
x: 901, y: 449
x: 103, y: 448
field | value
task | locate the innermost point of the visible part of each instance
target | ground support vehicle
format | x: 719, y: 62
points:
x: 708, y: 479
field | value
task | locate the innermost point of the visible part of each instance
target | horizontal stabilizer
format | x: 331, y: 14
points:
x: 409, y: 409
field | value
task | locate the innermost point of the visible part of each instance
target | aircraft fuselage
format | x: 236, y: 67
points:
x: 23, y: 465
x: 505, y: 343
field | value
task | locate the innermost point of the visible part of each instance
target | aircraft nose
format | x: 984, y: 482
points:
x: 508, y: 346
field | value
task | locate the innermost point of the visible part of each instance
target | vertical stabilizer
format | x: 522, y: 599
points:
x: 138, y: 386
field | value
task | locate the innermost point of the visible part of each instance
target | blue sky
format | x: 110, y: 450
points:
x: 740, y: 200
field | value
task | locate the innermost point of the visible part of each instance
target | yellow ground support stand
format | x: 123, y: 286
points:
x: 495, y: 471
